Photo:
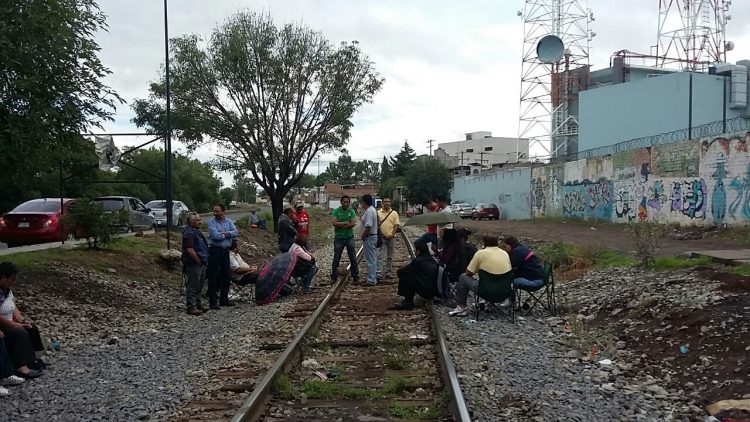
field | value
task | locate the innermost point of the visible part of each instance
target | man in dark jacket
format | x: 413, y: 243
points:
x: 419, y: 277
x: 195, y: 261
x: 287, y: 233
x: 529, y: 273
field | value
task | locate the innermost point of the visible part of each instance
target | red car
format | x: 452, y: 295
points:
x: 484, y: 210
x: 35, y: 221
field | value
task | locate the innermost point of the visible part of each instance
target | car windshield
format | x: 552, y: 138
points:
x: 110, y: 204
x: 493, y: 206
x: 157, y: 204
x: 39, y: 206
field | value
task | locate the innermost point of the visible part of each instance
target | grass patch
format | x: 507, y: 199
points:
x: 743, y: 269
x: 319, y: 389
x: 665, y: 263
x: 395, y: 362
x: 588, y: 340
x: 414, y: 412
x: 283, y: 387
x: 739, y: 235
x: 613, y: 259
x: 394, y: 385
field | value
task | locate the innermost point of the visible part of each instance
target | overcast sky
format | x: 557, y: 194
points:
x: 450, y: 66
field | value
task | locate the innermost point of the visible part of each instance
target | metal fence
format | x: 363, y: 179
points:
x: 719, y: 127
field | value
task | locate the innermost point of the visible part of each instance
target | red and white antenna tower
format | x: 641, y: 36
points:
x: 692, y: 33
x: 556, y: 39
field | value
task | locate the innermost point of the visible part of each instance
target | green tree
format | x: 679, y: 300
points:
x: 385, y: 170
x: 245, y: 188
x: 385, y: 189
x: 367, y: 171
x: 51, y: 89
x: 307, y: 181
x: 403, y: 160
x: 427, y: 178
x: 193, y: 182
x: 273, y: 97
x: 227, y: 196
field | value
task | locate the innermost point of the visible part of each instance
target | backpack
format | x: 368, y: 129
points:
x: 442, y: 282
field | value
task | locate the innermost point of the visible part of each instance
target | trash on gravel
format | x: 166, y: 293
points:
x: 684, y: 349
x: 723, y: 405
x: 321, y: 375
x: 311, y: 364
x: 418, y: 337
x: 605, y: 362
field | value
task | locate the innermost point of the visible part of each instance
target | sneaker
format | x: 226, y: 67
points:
x: 459, y: 312
x: 4, y: 392
x: 12, y: 380
x: 30, y: 375
x: 38, y: 365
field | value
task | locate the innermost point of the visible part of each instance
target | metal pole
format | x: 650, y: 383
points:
x: 168, y: 132
x: 690, y: 108
x: 724, y: 108
x: 62, y: 210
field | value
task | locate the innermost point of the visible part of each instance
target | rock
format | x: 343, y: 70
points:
x: 113, y: 340
x: 311, y: 364
x: 659, y: 391
x: 620, y: 345
x: 111, y: 270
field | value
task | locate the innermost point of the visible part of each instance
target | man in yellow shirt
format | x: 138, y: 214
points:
x: 491, y: 259
x: 389, y: 223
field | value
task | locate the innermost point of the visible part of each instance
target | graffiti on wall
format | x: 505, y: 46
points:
x: 725, y: 160
x: 689, y: 198
x: 588, y: 199
x: 538, y: 199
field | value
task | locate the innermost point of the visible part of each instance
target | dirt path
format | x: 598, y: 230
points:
x: 596, y: 234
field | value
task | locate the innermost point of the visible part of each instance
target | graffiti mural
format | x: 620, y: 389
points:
x: 538, y: 200
x: 724, y: 163
x: 588, y: 200
x: 741, y: 186
x: 689, y: 198
x: 574, y: 203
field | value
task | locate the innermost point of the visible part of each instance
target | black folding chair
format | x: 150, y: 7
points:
x: 244, y: 288
x: 543, y: 296
x: 495, y: 289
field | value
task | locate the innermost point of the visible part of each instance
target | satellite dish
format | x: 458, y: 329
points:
x: 550, y: 49
x: 109, y: 155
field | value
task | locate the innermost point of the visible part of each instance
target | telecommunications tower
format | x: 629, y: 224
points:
x: 692, y: 33
x: 555, y: 63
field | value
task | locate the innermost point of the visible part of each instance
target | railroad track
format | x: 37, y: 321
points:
x: 356, y: 359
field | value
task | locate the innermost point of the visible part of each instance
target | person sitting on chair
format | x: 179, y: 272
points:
x: 242, y: 273
x: 254, y: 221
x: 418, y: 277
x: 452, y: 255
x: 287, y: 232
x: 305, y: 266
x: 491, y: 259
x: 529, y: 273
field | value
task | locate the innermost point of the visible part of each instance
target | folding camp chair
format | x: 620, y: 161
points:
x: 543, y: 296
x: 244, y: 288
x: 495, y: 289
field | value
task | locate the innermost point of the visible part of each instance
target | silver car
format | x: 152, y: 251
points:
x: 158, y: 209
x: 462, y: 209
x: 138, y: 215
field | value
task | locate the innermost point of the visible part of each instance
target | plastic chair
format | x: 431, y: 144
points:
x: 495, y: 289
x: 543, y: 296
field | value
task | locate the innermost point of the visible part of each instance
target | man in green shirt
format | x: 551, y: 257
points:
x: 344, y: 220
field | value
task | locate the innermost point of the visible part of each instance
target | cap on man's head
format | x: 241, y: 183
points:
x: 299, y: 205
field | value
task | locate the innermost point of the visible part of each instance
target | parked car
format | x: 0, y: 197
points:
x: 485, y: 210
x: 462, y: 209
x: 138, y: 214
x: 158, y: 209
x: 35, y: 221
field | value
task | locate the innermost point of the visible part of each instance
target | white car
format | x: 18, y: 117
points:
x: 159, y: 211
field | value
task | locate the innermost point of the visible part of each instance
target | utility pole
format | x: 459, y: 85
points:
x: 462, y: 164
x: 430, y: 141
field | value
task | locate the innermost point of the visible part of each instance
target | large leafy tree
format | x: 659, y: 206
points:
x: 402, y: 161
x: 51, y: 90
x: 425, y: 179
x: 273, y: 97
x: 347, y: 171
x: 245, y: 187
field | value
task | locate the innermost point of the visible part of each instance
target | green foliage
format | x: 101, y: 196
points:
x: 394, y: 361
x: 319, y: 389
x: 385, y: 189
x: 394, y: 385
x: 403, y: 161
x: 307, y: 181
x: 267, y: 70
x: 647, y: 238
x: 606, y: 258
x: 666, y: 263
x: 427, y: 178
x: 346, y: 171
x: 88, y: 220
x: 283, y: 387
x: 52, y: 91
x: 245, y: 188
x: 558, y: 254
x: 227, y: 196
x: 414, y: 412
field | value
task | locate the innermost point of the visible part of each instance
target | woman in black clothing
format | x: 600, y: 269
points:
x: 419, y: 277
x: 21, y: 337
x: 452, y: 255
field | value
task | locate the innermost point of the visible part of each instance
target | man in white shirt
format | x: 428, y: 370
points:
x: 241, y: 272
x: 369, y: 225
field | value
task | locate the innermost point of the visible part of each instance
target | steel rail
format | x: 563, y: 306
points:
x: 254, y: 406
x: 457, y: 404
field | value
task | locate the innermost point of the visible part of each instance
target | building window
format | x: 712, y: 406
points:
x: 470, y: 150
x: 488, y: 148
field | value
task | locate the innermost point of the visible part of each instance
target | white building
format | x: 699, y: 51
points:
x: 481, y: 150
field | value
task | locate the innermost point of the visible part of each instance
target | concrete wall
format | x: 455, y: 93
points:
x: 645, y: 107
x: 508, y: 189
x: 704, y: 182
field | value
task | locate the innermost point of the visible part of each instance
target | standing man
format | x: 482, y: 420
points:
x: 221, y: 231
x: 369, y: 229
x: 389, y: 224
x: 344, y: 220
x: 286, y: 231
x: 303, y: 220
x: 195, y: 260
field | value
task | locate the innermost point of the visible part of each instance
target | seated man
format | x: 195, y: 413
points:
x: 305, y: 266
x: 419, y: 277
x: 242, y: 273
x: 255, y: 221
x: 491, y: 259
x: 529, y: 273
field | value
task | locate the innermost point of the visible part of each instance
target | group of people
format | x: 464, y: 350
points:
x: 20, y: 343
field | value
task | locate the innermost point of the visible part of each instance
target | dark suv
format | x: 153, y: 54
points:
x: 485, y: 210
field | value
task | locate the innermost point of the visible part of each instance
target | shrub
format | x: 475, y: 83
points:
x: 557, y: 254
x: 88, y: 220
x: 647, y: 238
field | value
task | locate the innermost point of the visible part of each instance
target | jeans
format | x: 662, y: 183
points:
x: 262, y: 224
x: 465, y: 284
x: 338, y: 248
x: 528, y: 284
x: 218, y: 275
x: 387, y: 250
x: 428, y: 238
x: 307, y: 278
x: 196, y: 278
x: 371, y: 258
